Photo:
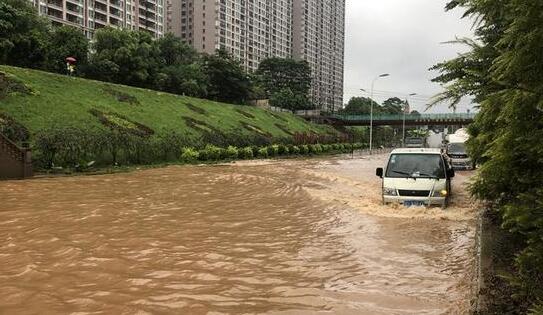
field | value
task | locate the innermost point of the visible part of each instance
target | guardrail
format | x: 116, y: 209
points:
x: 400, y: 117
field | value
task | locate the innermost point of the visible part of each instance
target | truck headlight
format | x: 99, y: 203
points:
x: 390, y: 192
x: 441, y: 193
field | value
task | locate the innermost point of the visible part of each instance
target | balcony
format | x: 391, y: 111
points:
x: 55, y: 4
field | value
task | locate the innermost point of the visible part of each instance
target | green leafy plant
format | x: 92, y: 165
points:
x: 263, y: 153
x: 246, y: 153
x: 232, y: 153
x: 190, y: 155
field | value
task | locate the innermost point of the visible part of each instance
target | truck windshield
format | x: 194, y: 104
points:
x: 457, y: 148
x: 415, y: 166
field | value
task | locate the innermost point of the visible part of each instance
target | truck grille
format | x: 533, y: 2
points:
x: 414, y: 193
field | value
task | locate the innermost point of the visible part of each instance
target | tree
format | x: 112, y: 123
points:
x: 277, y: 74
x: 173, y: 51
x: 66, y: 41
x: 23, y: 35
x: 287, y: 99
x: 504, y: 71
x: 393, y: 105
x: 180, y: 69
x: 126, y: 57
x: 361, y: 106
x: 228, y: 82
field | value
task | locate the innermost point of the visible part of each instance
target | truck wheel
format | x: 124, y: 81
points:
x: 445, y: 203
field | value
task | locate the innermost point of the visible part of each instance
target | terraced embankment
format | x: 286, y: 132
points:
x: 39, y: 100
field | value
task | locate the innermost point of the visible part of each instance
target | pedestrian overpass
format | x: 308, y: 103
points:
x: 398, y: 119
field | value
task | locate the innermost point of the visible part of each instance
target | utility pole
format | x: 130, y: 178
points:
x: 371, y: 108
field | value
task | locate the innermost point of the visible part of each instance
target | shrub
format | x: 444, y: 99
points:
x: 232, y: 152
x: 203, y: 155
x: 347, y: 148
x: 263, y: 153
x: 340, y: 147
x: 326, y: 148
x: 335, y: 147
x: 190, y: 155
x: 295, y: 150
x: 283, y: 149
x: 315, y: 148
x: 255, y: 150
x: 304, y: 149
x: 246, y: 153
x: 273, y: 150
x: 210, y: 153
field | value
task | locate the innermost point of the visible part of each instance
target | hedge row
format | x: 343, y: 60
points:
x: 75, y: 148
x: 214, y: 153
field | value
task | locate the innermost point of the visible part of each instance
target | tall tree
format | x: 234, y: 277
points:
x: 127, y: 57
x: 277, y: 74
x: 66, y: 41
x: 361, y: 106
x: 287, y: 99
x: 393, y: 105
x: 23, y: 35
x: 179, y: 68
x: 504, y: 71
x: 228, y: 81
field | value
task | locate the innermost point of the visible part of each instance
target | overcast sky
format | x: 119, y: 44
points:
x: 403, y: 38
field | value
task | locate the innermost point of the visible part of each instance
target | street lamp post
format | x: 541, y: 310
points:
x: 371, y: 108
x: 404, y: 109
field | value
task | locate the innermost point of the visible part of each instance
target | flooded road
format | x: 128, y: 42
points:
x: 279, y: 237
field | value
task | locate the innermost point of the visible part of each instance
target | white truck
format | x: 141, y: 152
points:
x: 456, y: 150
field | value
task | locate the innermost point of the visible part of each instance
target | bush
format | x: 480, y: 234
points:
x: 315, y: 149
x: 273, y: 150
x: 232, y: 153
x: 326, y: 148
x: 283, y: 149
x: 246, y: 153
x: 210, y: 153
x: 335, y: 147
x: 358, y: 146
x: 295, y: 150
x: 263, y: 153
x: 190, y: 155
x: 304, y: 149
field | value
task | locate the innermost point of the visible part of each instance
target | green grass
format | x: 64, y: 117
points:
x: 60, y: 101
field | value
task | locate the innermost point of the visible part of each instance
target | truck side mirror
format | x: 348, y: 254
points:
x: 379, y: 172
x: 451, y: 173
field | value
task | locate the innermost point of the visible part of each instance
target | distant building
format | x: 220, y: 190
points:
x: 253, y: 30
x: 90, y: 15
x: 319, y: 38
x: 250, y: 30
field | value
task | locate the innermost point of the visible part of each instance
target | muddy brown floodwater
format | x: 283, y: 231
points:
x: 278, y: 237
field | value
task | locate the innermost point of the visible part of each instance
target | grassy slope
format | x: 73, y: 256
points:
x: 63, y: 101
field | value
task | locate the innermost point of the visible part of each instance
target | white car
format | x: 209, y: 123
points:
x: 417, y: 177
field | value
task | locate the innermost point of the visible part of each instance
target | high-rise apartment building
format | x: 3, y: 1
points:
x: 253, y: 30
x: 90, y: 15
x: 319, y: 38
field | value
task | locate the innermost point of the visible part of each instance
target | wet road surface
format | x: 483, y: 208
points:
x: 278, y: 237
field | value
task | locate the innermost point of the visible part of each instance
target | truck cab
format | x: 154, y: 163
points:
x: 417, y: 177
x: 460, y: 159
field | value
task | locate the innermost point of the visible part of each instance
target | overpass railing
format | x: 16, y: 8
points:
x: 400, y: 117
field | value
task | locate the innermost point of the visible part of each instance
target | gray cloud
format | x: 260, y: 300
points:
x: 404, y: 38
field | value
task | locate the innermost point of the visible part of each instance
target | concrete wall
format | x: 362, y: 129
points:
x: 14, y: 162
